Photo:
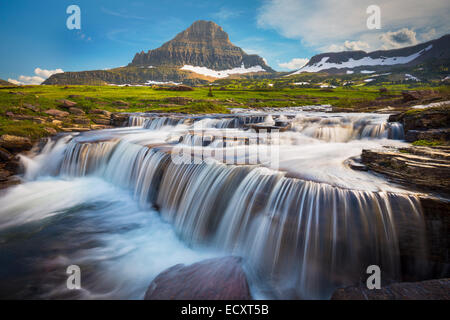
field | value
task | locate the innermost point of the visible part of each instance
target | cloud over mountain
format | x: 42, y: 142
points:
x: 323, y: 22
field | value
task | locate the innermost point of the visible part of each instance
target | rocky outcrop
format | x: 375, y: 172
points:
x: 119, y: 119
x: 418, y: 167
x: 57, y: 113
x: 15, y: 143
x: 203, y: 44
x: 213, y: 279
x: 432, y: 118
x: 431, y: 134
x: 425, y: 290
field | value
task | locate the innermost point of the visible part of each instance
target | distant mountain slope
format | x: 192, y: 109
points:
x: 199, y: 54
x: 383, y: 60
x: 6, y: 83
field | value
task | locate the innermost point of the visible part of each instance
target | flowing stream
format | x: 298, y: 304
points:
x: 272, y: 187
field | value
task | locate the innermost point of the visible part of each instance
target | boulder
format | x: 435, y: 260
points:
x: 30, y: 107
x: 213, y: 279
x: 99, y: 111
x: 64, y: 103
x: 57, y: 113
x: 425, y: 290
x: 15, y: 143
x: 76, y: 111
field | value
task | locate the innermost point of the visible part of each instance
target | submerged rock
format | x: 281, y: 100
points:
x: 425, y: 290
x: 213, y: 279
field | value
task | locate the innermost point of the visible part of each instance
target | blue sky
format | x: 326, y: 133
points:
x: 34, y: 33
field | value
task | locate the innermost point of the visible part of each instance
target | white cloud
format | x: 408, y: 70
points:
x: 40, y: 76
x: 320, y: 23
x: 356, y: 45
x: 347, y: 46
x: 225, y: 14
x: 47, y: 73
x: 400, y: 38
x: 294, y: 64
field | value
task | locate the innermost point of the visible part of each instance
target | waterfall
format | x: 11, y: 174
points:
x: 303, y: 229
x: 302, y: 239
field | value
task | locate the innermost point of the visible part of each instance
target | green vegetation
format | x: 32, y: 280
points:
x: 17, y: 117
x: 428, y: 143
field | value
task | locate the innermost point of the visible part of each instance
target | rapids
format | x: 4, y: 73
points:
x: 126, y: 203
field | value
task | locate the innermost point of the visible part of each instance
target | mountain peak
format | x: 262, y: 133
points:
x: 203, y: 44
x: 202, y: 30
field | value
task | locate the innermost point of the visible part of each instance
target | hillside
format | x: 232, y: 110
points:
x: 428, y: 54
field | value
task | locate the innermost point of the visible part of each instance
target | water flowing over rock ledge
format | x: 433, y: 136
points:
x: 302, y: 239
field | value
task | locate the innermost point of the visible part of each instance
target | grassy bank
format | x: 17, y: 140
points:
x: 18, y: 118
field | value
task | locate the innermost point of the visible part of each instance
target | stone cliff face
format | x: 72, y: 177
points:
x: 203, y: 44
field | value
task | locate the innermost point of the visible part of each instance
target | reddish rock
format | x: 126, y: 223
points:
x: 57, y: 113
x: 64, y: 103
x: 15, y: 143
x: 76, y: 111
x: 425, y: 290
x: 213, y: 279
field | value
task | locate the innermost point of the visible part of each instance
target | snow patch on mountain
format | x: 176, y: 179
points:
x: 366, y: 61
x: 222, y: 73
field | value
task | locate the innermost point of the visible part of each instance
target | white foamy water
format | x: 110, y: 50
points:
x: 304, y: 223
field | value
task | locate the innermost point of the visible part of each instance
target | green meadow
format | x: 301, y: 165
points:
x: 225, y: 95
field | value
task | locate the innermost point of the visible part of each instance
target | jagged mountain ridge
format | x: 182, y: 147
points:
x: 381, y: 60
x: 203, y: 44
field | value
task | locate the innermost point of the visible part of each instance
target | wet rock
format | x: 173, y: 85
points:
x: 425, y: 290
x: 5, y: 155
x: 418, y: 167
x: 119, y: 119
x: 15, y: 143
x: 57, y: 113
x: 436, y: 213
x: 432, y: 134
x: 76, y: 111
x: 432, y: 118
x: 213, y: 279
x: 50, y: 131
x: 64, y: 103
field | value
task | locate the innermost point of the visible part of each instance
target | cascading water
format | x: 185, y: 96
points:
x: 304, y: 228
